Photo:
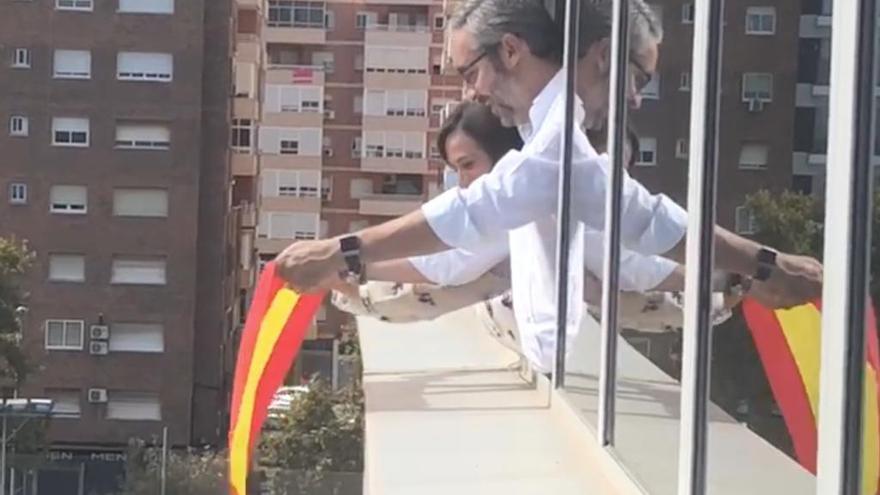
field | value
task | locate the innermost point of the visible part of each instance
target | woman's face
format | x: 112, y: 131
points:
x: 466, y: 157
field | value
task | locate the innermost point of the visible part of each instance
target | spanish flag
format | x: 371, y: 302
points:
x: 276, y: 325
x: 789, y: 344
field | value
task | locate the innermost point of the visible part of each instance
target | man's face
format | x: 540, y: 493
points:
x: 594, y: 85
x: 486, y: 79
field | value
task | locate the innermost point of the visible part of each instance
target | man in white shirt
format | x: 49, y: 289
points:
x: 506, y: 52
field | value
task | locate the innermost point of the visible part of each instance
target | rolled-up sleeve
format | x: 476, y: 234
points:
x: 523, y: 188
x: 460, y: 266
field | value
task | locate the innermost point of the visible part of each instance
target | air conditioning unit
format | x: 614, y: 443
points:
x: 97, y: 395
x: 756, y: 105
x: 98, y: 348
x: 99, y: 332
x: 328, y: 152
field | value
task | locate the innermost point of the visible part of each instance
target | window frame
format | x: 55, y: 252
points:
x: 64, y: 346
x: 21, y: 58
x: 75, y: 5
x: 18, y: 199
x: 761, y: 12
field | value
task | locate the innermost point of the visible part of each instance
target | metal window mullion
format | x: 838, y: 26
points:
x: 847, y: 218
x: 702, y: 189
x: 564, y: 201
x: 611, y: 264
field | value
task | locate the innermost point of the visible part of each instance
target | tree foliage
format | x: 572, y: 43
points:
x: 189, y: 472
x: 15, y: 258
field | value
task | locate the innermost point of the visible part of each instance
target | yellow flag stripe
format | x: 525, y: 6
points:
x: 803, y: 333
x: 871, y: 435
x: 270, y: 330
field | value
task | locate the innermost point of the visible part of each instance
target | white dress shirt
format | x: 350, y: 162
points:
x: 520, y: 196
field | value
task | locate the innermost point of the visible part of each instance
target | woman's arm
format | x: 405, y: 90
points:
x: 399, y: 270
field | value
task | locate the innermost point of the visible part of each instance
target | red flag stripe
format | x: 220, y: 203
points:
x: 782, y: 371
x: 267, y: 287
x: 288, y: 346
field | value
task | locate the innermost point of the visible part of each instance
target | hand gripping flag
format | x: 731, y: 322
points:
x: 276, y: 325
x: 789, y: 344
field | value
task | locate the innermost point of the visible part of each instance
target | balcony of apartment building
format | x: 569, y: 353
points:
x: 289, y: 21
x: 396, y: 110
x: 290, y: 148
x: 244, y: 160
x: 292, y: 100
x: 400, y: 28
x: 394, y: 152
x: 245, y: 102
x: 277, y: 229
x: 395, y: 195
x: 398, y: 66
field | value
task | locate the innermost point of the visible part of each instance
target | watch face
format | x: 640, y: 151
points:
x: 766, y: 256
x: 350, y: 243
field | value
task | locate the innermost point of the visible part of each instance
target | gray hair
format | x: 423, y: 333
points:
x: 595, y: 24
x: 489, y: 20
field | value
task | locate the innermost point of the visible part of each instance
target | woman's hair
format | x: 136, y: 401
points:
x: 479, y: 123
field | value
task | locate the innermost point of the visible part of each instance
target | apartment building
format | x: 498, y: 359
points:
x: 115, y: 168
x: 759, y: 72
x: 336, y: 109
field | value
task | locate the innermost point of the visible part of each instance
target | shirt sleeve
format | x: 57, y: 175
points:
x: 461, y: 266
x: 523, y: 188
x: 638, y: 272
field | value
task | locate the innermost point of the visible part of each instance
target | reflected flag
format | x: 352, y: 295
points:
x: 276, y: 326
x: 789, y: 343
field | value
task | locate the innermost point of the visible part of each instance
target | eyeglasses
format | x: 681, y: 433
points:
x: 465, y: 71
x: 641, y: 77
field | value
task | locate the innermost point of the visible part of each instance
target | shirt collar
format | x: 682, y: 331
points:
x: 542, y: 104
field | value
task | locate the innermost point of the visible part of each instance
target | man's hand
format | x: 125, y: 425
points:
x: 795, y: 281
x: 311, y: 266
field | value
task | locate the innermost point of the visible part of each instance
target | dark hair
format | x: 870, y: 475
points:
x: 479, y: 123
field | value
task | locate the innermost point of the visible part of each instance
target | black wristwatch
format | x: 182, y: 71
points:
x: 350, y: 246
x: 766, y: 264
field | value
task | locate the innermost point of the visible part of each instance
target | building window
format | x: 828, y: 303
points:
x: 143, y: 66
x: 757, y: 86
x: 146, y: 6
x: 137, y: 337
x: 18, y: 193
x: 72, y: 64
x: 396, y: 59
x: 651, y: 91
x: 67, y: 268
x: 298, y: 14
x: 18, y: 126
x: 138, y: 270
x: 293, y: 98
x: 761, y: 20
x: 242, y: 130
x: 687, y: 13
x: 292, y: 183
x: 358, y: 225
x: 151, y: 203
x: 753, y: 156
x: 397, y: 103
x: 70, y: 132
x: 85, y: 5
x: 64, y: 335
x: 359, y: 62
x: 283, y: 225
x: 65, y: 403
x: 329, y: 20
x: 133, y: 406
x: 745, y: 221
x: 327, y: 188
x: 21, y: 58
x: 69, y: 200
x: 142, y: 136
x: 356, y: 147
x: 647, y: 155
x: 358, y: 105
x: 289, y: 147
x: 439, y: 22
x: 324, y: 59
x: 364, y: 20
x: 681, y: 148
x: 684, y: 81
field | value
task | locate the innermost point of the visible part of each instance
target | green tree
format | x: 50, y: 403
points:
x: 322, y: 433
x: 15, y: 259
x: 189, y: 472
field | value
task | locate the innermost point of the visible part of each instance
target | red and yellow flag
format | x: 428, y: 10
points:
x: 789, y: 343
x: 276, y: 325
